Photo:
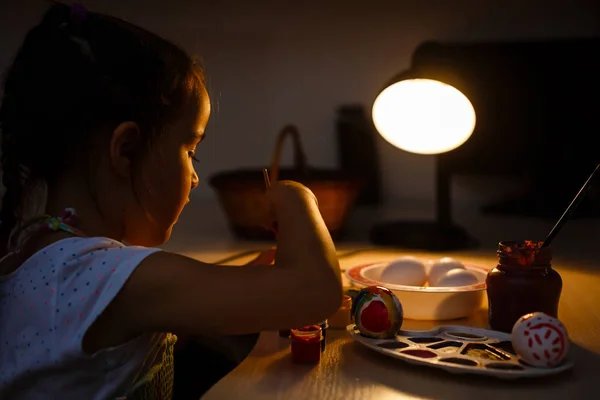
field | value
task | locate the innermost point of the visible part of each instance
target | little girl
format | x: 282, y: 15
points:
x: 101, y: 120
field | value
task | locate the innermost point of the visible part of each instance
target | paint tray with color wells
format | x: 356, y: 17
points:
x: 458, y: 349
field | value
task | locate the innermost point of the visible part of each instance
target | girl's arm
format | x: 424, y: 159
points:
x: 174, y: 293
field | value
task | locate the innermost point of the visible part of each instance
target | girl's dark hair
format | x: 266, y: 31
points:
x: 77, y: 74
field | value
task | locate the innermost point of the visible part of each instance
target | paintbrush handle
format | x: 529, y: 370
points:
x: 273, y: 225
x: 267, y: 179
x: 571, y: 209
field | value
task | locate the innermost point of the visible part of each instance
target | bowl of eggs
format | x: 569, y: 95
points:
x: 440, y: 289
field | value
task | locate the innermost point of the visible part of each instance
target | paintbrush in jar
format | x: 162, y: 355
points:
x: 572, y: 207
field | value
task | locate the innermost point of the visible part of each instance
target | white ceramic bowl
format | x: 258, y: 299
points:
x: 427, y: 303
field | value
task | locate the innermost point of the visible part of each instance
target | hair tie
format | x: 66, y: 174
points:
x: 68, y: 216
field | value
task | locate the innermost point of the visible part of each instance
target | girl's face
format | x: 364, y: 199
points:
x: 166, y: 178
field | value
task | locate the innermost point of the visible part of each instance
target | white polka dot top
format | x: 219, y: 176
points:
x: 47, y: 305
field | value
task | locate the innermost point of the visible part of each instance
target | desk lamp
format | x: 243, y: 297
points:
x: 430, y: 117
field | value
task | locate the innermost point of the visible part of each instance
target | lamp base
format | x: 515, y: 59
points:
x: 422, y: 235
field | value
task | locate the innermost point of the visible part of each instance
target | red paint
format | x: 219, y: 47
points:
x: 420, y: 353
x: 559, y: 340
x: 306, y: 344
x: 375, y: 317
x: 523, y: 282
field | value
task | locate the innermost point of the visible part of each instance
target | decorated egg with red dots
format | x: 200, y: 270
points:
x: 377, y: 312
x: 540, y: 339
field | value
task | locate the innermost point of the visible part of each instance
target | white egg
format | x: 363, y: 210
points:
x: 407, y: 270
x: 440, y: 267
x: 457, y: 277
x: 540, y: 339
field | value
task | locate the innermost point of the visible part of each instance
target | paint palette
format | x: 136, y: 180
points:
x: 458, y: 349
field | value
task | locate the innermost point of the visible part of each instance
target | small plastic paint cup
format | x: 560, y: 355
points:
x: 342, y: 318
x: 306, y: 344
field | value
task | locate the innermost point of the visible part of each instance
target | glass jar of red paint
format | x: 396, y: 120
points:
x: 523, y: 282
x: 306, y: 344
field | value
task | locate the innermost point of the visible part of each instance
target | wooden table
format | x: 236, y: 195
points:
x: 350, y: 371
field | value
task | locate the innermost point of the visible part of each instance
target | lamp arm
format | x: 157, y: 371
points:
x: 443, y: 204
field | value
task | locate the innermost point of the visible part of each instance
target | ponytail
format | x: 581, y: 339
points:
x: 12, y: 199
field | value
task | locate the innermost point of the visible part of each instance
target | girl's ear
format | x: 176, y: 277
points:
x: 124, y: 143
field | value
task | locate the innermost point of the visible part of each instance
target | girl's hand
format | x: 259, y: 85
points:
x: 266, y: 257
x: 276, y: 198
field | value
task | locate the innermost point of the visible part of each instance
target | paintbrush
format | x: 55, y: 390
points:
x: 572, y: 207
x: 273, y: 224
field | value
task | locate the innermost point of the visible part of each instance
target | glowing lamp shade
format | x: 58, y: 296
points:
x: 423, y: 116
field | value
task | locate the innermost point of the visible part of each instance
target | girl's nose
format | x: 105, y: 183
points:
x: 195, y: 180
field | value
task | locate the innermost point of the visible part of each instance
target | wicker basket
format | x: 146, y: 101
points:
x: 241, y: 192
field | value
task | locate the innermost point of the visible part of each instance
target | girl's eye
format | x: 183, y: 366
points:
x: 192, y: 155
